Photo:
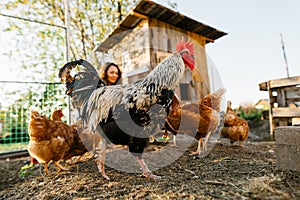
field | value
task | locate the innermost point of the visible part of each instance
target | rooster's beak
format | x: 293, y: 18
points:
x: 70, y: 87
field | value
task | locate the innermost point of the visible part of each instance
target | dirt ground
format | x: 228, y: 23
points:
x: 226, y: 172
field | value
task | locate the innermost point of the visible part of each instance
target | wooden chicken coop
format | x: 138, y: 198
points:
x: 284, y: 99
x: 148, y: 34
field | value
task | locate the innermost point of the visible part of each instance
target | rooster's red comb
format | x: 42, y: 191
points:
x: 181, y: 45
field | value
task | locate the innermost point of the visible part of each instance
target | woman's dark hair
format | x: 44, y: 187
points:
x: 107, y: 66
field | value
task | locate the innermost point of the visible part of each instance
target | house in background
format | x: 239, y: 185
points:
x: 262, y: 104
x: 148, y: 34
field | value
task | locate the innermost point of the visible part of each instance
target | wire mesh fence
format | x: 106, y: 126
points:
x: 16, y: 100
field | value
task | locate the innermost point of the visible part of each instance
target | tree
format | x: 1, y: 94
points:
x: 90, y: 22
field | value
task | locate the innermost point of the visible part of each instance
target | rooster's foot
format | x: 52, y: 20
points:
x: 105, y: 176
x: 102, y: 171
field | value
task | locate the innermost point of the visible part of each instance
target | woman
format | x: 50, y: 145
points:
x: 111, y: 74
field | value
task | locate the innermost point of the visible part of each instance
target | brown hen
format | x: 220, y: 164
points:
x: 56, y: 116
x: 236, y: 129
x: 197, y: 119
x: 85, y: 140
x: 49, y: 140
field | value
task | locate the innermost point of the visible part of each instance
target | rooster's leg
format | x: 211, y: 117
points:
x: 102, y: 160
x: 60, y: 166
x: 146, y: 172
x: 96, y: 142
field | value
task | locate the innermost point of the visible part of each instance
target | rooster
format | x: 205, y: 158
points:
x: 128, y: 114
x: 236, y: 129
x: 198, y: 119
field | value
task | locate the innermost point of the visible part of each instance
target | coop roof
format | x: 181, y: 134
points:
x: 148, y: 8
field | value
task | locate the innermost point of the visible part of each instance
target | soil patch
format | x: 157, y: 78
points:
x: 227, y: 172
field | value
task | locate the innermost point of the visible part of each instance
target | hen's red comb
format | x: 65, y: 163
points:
x: 181, y: 45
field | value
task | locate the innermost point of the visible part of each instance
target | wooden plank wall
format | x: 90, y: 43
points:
x: 284, y: 97
x: 136, y: 45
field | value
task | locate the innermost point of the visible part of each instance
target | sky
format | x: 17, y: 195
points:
x: 251, y: 52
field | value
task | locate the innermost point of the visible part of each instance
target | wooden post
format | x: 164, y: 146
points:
x: 271, y: 103
x: 281, y: 100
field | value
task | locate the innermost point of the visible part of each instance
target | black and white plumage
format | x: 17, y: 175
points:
x: 128, y: 115
x: 156, y: 88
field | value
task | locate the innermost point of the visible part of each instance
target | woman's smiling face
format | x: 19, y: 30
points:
x: 112, y: 74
